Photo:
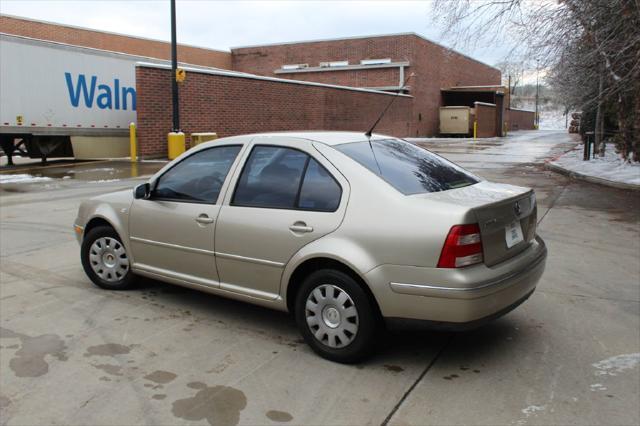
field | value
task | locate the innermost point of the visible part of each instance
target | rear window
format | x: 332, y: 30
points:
x: 406, y: 167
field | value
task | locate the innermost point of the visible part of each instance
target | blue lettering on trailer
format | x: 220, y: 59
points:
x: 107, y: 98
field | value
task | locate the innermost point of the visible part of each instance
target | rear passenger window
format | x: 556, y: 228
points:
x: 319, y: 189
x: 285, y: 178
x: 271, y: 178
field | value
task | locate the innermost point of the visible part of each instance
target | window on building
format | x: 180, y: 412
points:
x: 295, y: 66
x: 375, y: 61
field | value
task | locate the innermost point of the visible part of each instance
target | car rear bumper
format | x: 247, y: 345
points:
x: 465, y: 295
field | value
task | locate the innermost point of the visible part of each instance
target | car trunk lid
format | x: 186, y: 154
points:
x: 507, y: 227
x: 506, y: 215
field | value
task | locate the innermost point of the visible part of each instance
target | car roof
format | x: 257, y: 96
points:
x: 326, y: 137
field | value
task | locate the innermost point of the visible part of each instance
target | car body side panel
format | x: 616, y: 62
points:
x: 394, y: 228
x: 333, y: 247
x: 253, y: 244
x: 165, y: 236
x: 114, y: 208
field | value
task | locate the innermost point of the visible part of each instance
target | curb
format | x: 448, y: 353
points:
x: 591, y: 179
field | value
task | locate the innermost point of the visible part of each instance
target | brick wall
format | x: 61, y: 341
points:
x: 434, y: 66
x: 263, y: 60
x: 486, y: 118
x: 520, y: 120
x: 233, y: 105
x: 113, y: 42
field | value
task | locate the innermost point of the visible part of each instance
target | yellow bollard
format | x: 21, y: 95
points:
x: 475, y: 129
x: 133, y: 149
x: 175, y: 144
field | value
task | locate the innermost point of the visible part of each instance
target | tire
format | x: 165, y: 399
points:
x: 336, y: 317
x: 105, y: 260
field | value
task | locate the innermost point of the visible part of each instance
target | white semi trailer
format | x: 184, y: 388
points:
x: 58, y: 100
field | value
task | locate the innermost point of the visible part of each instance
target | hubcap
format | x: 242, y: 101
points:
x: 108, y: 259
x: 332, y: 316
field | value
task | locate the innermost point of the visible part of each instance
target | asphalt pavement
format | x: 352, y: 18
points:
x: 73, y: 354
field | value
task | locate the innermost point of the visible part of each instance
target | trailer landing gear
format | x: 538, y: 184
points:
x: 11, y: 145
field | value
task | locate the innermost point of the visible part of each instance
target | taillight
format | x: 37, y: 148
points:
x: 463, y: 247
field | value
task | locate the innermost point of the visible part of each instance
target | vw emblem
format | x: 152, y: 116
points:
x: 517, y: 209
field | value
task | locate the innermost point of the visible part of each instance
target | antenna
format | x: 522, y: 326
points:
x: 370, y: 131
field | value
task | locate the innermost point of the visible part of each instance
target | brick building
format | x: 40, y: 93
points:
x: 375, y: 62
x: 340, y: 84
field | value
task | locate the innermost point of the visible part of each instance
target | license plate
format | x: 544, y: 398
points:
x: 513, y: 233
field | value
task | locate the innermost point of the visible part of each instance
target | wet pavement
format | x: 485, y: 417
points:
x: 82, y: 175
x: 73, y: 354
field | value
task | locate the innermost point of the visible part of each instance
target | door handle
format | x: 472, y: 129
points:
x: 204, y: 219
x: 300, y: 227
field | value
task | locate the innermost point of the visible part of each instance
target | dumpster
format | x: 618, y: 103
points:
x: 456, y: 120
x: 198, y: 138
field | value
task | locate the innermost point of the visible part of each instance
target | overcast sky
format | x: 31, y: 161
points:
x: 226, y: 24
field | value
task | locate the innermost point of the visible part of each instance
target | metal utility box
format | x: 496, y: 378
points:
x: 456, y: 120
x: 198, y: 138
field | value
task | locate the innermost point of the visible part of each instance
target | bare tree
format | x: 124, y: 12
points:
x: 591, y: 49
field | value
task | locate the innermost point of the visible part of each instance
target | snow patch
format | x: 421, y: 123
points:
x: 103, y: 180
x: 616, y: 364
x: 532, y: 409
x: 610, y: 167
x: 597, y: 387
x: 553, y: 119
x: 528, y: 412
x: 22, y: 178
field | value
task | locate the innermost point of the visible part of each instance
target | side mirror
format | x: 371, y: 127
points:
x: 142, y: 191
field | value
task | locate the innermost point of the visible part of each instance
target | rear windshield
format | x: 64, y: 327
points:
x: 406, y: 167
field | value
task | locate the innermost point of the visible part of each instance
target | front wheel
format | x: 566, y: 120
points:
x: 105, y: 259
x: 335, y: 316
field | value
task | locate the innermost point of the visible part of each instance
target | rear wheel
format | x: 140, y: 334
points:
x: 335, y: 316
x: 105, y: 259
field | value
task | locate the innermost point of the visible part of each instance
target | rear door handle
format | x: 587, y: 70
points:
x: 204, y: 219
x: 300, y: 227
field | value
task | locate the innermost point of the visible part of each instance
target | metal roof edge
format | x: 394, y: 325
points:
x: 76, y: 27
x: 236, y: 74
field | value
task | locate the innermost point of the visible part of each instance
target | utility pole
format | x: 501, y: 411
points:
x: 537, y: 118
x: 174, y: 68
x: 175, y: 139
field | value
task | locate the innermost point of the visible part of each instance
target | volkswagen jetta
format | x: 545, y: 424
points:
x: 346, y: 232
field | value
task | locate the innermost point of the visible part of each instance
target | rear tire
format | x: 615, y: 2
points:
x: 335, y: 316
x: 105, y: 259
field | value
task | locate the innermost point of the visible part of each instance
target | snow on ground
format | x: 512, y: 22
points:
x: 22, y: 178
x: 610, y: 167
x: 552, y: 119
x: 616, y: 364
